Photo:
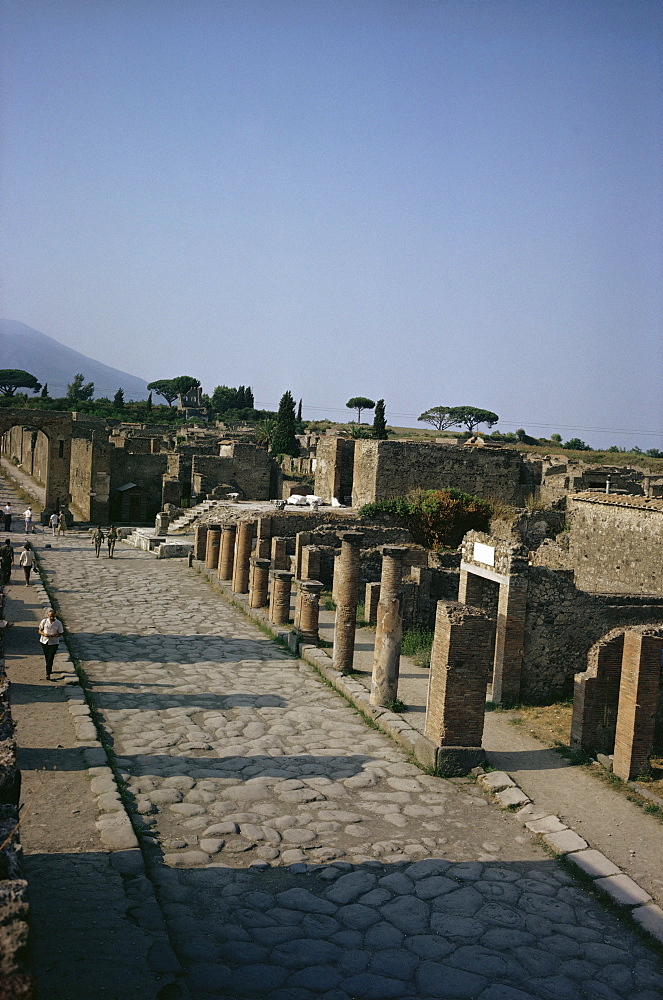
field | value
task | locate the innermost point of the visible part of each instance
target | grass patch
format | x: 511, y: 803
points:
x: 397, y: 706
x: 418, y: 644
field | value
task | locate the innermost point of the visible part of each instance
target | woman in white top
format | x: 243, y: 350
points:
x: 27, y: 561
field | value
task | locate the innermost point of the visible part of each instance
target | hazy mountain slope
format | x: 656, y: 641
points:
x: 52, y: 362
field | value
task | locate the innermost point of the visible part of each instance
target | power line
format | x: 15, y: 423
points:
x: 506, y: 420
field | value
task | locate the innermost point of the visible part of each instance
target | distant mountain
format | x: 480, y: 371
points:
x: 52, y: 362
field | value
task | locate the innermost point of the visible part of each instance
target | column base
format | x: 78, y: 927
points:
x: 454, y: 762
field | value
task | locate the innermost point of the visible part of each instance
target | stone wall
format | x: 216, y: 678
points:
x: 244, y: 466
x: 334, y: 461
x: 616, y: 543
x: 561, y: 625
x: 384, y: 469
x: 144, y: 470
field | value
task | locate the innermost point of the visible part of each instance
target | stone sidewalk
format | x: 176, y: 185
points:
x: 295, y: 851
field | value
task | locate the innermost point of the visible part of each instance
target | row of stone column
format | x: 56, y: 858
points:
x: 461, y: 654
x: 228, y: 549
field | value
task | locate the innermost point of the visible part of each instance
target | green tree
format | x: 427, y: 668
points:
x: 472, y: 416
x: 184, y: 383
x: 284, y: 441
x: 557, y: 438
x: 118, y: 399
x: 575, y: 444
x: 164, y: 387
x: 78, y: 391
x: 299, y: 412
x: 148, y: 404
x: 44, y: 391
x: 264, y: 432
x: 379, y: 422
x: 440, y: 417
x: 249, y: 401
x: 360, y: 403
x: 12, y: 379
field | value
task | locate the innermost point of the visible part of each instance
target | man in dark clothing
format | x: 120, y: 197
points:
x: 6, y: 561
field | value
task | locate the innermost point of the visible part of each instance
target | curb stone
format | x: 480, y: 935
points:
x: 564, y: 841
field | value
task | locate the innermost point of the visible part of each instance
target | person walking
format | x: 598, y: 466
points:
x: 6, y: 561
x: 111, y: 538
x: 54, y: 520
x: 50, y: 632
x: 62, y: 522
x: 7, y: 514
x: 97, y: 538
x: 26, y: 560
x: 29, y: 525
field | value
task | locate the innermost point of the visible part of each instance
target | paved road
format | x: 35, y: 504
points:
x: 296, y: 853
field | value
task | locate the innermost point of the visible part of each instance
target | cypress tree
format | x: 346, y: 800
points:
x: 379, y: 422
x: 284, y: 441
x: 248, y: 397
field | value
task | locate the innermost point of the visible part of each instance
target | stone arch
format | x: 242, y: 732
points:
x: 56, y: 426
x: 616, y: 702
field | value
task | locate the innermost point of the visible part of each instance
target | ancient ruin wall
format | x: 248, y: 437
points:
x: 561, y: 625
x: 384, y: 469
x: 616, y: 544
x: 334, y: 460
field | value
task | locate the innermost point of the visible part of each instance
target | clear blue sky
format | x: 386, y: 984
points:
x: 449, y: 202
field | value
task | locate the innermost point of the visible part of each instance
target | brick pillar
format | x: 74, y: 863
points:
x: 309, y: 567
x: 258, y: 594
x: 263, y: 548
x: 389, y: 630
x: 279, y: 601
x: 212, y: 546
x: 227, y: 552
x: 280, y: 557
x: 346, y: 603
x: 509, y: 640
x: 199, y: 541
x: 309, y: 609
x: 302, y: 538
x: 371, y: 602
x: 240, y: 584
x: 470, y: 589
x: 638, y: 699
x: 596, y: 697
x: 264, y: 531
x: 459, y: 672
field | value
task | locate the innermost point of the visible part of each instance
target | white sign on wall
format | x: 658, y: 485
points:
x: 484, y: 553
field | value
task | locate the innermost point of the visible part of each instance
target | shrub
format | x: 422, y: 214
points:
x: 435, y: 518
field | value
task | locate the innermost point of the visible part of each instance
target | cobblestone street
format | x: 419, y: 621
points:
x: 294, y: 850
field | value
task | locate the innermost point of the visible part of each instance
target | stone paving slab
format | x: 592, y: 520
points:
x: 296, y: 852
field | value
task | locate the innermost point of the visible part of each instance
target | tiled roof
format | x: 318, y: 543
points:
x: 620, y: 500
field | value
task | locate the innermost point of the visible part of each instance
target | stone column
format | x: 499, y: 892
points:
x: 302, y: 538
x: 336, y: 577
x: 309, y: 609
x: 161, y: 523
x: 258, y: 595
x: 227, y: 552
x: 459, y: 673
x: 279, y: 601
x: 199, y: 541
x: 309, y: 567
x: 280, y: 557
x: 509, y: 640
x: 371, y: 602
x: 212, y: 546
x: 240, y: 584
x: 389, y: 630
x: 638, y: 699
x: 346, y: 601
